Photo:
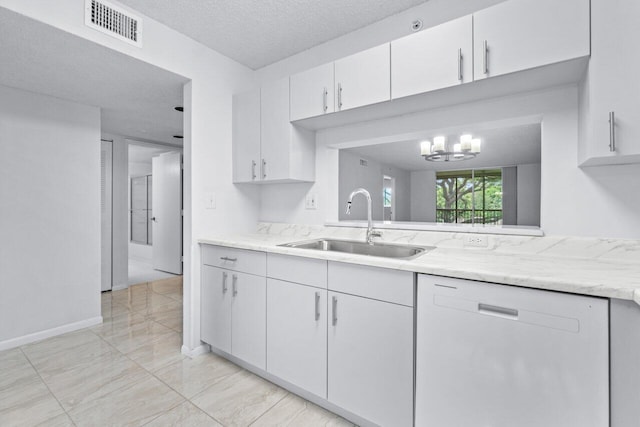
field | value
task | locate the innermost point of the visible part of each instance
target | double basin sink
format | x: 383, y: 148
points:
x: 384, y: 250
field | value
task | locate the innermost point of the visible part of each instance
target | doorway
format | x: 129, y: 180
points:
x: 154, y: 212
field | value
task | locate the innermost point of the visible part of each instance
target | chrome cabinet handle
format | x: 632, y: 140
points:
x: 325, y: 93
x: 485, y: 57
x: 264, y: 168
x: 334, y: 310
x: 317, y: 300
x: 253, y: 169
x: 612, y: 131
x: 234, y: 284
x: 339, y: 96
x: 460, y: 65
x: 224, y: 282
x: 224, y: 258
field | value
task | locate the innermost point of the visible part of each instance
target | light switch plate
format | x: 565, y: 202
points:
x: 210, y: 201
x: 311, y: 201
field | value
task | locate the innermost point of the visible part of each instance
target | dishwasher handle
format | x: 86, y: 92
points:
x: 494, y: 310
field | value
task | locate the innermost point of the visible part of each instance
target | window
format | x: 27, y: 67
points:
x: 469, y: 197
x: 386, y: 197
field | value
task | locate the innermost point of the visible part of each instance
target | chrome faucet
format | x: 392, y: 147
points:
x: 370, y: 232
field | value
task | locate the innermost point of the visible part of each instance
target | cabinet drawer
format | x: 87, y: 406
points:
x: 252, y: 262
x: 372, y: 282
x: 308, y: 271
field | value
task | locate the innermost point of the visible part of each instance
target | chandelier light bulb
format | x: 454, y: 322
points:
x: 439, y: 143
x: 465, y: 142
x: 475, y: 145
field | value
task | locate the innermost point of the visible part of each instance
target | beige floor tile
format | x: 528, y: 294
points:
x: 158, y: 353
x: 135, y: 405
x: 65, y: 350
x: 171, y: 285
x: 27, y: 402
x: 168, y: 304
x: 14, y: 368
x: 184, y: 415
x: 112, y: 309
x: 61, y: 420
x: 93, y: 380
x: 145, y: 301
x: 191, y: 376
x: 171, y: 318
x: 114, y: 325
x: 239, y: 399
x: 294, y: 411
x: 131, y: 338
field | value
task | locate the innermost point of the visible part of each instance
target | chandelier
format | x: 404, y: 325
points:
x: 440, y: 151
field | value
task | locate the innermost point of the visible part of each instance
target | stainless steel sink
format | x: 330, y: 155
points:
x: 385, y: 250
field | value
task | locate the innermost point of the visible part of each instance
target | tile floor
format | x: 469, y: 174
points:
x: 142, y: 271
x: 129, y: 371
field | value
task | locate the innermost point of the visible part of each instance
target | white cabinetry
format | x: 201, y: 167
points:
x: 312, y: 92
x: 267, y: 148
x: 497, y: 355
x: 611, y: 86
x: 297, y: 321
x: 370, y: 348
x: 363, y: 78
x: 434, y: 58
x: 520, y: 34
x: 297, y: 335
x: 233, y: 303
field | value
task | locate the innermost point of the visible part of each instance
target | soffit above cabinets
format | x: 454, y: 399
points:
x: 259, y: 33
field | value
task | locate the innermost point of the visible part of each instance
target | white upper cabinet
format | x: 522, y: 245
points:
x: 246, y: 136
x: 521, y: 34
x: 432, y: 59
x: 611, y: 86
x: 266, y: 146
x: 363, y: 78
x: 312, y: 92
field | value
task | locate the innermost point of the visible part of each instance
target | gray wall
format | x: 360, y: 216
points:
x: 120, y: 232
x: 370, y: 177
x: 50, y: 214
x: 529, y: 194
x: 423, y: 196
x: 510, y: 196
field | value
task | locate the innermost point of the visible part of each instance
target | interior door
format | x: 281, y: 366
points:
x: 106, y: 160
x: 167, y: 212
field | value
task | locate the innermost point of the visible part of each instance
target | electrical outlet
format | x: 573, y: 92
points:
x: 476, y: 240
x: 311, y: 202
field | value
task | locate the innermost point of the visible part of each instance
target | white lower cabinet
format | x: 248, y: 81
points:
x: 370, y: 358
x: 234, y: 313
x: 297, y: 335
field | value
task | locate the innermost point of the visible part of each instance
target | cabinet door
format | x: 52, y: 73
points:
x: 215, y: 305
x: 276, y: 130
x: 612, y: 83
x: 312, y: 92
x: 246, y: 136
x: 432, y: 59
x: 370, y: 359
x: 522, y: 34
x: 297, y: 335
x: 363, y: 78
x: 248, y: 318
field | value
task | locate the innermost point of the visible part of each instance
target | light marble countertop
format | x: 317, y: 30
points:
x: 587, y: 266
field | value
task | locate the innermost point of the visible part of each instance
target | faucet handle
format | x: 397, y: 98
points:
x: 376, y: 233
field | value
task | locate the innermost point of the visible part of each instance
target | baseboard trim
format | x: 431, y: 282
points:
x: 195, y: 352
x: 48, y: 333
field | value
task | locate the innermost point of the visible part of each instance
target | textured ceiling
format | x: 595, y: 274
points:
x: 506, y: 146
x: 260, y: 32
x: 136, y: 98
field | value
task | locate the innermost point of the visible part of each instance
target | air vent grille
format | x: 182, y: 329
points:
x: 112, y: 20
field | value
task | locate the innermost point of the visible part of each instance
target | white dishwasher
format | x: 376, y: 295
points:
x: 491, y: 355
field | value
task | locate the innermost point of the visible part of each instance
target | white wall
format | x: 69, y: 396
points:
x: 50, y: 210
x: 207, y: 130
x: 370, y: 177
x: 529, y: 194
x: 423, y: 196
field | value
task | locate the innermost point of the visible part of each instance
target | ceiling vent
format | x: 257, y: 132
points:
x: 113, y: 20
